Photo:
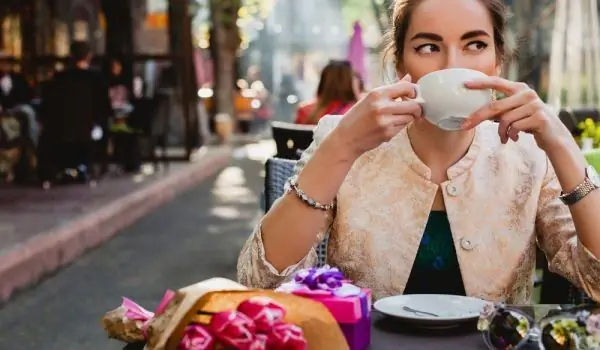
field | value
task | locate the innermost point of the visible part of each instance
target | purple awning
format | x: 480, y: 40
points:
x: 357, y: 51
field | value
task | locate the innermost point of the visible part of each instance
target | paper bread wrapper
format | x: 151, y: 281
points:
x: 218, y: 294
x: 117, y: 326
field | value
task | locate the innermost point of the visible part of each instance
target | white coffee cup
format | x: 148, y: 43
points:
x: 445, y: 99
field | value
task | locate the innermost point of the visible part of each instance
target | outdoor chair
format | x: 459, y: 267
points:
x: 558, y: 290
x: 291, y: 139
x: 278, y: 171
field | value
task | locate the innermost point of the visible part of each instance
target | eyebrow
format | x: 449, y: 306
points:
x: 436, y: 37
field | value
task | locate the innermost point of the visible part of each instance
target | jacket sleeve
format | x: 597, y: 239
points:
x: 253, y: 270
x: 558, y: 239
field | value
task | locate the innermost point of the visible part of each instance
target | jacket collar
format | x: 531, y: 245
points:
x: 402, y: 143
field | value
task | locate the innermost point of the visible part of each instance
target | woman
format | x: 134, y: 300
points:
x: 421, y: 210
x: 120, y: 95
x: 335, y: 94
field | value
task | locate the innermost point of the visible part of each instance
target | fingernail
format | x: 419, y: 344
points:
x: 466, y: 124
x: 407, y: 77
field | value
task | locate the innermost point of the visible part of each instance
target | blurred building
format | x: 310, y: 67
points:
x: 35, y: 35
x: 305, y: 35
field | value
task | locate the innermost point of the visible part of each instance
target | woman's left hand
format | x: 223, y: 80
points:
x: 521, y: 110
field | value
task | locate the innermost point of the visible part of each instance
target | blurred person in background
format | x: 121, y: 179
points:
x: 123, y: 131
x: 18, y: 125
x: 335, y: 94
x: 287, y: 98
x: 74, y: 103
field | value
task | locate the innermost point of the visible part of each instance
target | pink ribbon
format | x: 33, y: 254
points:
x: 169, y: 294
x: 135, y: 312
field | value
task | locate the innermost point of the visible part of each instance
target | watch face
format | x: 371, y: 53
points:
x: 592, y: 174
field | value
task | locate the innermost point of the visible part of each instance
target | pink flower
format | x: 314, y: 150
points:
x: 258, y: 343
x: 265, y: 312
x: 592, y: 325
x: 196, y: 337
x: 286, y: 337
x: 233, y: 328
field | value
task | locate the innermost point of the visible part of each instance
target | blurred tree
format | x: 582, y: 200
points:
x: 225, y: 40
x: 381, y: 10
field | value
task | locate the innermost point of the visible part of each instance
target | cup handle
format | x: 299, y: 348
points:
x: 419, y: 96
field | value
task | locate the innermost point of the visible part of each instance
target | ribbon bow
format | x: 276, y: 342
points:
x: 135, y: 312
x: 320, y: 281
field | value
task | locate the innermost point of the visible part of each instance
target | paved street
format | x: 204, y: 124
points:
x: 196, y: 236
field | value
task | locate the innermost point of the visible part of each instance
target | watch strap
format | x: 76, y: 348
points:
x: 582, y: 190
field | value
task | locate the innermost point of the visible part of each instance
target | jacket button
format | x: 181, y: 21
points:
x: 453, y: 189
x: 466, y: 244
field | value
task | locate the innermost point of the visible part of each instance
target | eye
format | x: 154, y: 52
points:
x: 477, y: 46
x: 426, y: 48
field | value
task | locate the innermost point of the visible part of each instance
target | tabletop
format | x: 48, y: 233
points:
x: 389, y: 333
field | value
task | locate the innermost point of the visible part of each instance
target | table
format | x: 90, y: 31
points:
x: 389, y: 333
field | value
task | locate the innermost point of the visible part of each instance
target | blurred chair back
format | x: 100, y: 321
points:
x: 558, y: 290
x: 291, y: 139
x: 277, y: 172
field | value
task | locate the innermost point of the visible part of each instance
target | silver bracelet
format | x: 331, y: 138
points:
x: 292, y: 186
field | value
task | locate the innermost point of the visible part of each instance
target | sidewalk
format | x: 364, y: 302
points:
x: 40, y: 231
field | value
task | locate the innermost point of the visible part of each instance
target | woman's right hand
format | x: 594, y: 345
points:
x: 377, y: 118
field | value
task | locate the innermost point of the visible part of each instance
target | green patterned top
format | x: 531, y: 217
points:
x: 436, y: 269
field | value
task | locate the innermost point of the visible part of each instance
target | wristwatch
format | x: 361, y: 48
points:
x: 591, y: 182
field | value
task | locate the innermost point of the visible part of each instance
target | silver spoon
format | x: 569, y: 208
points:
x: 414, y: 311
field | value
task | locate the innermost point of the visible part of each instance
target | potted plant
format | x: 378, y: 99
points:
x: 590, y: 137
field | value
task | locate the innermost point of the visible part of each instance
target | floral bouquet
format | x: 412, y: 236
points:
x: 349, y: 304
x: 256, y: 324
x: 508, y: 328
x: 220, y: 314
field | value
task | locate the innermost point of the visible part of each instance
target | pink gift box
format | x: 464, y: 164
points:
x: 353, y: 314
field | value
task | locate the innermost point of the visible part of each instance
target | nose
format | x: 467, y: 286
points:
x: 453, y: 59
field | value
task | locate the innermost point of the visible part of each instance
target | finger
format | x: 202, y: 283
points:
x: 497, y: 108
x: 507, y: 120
x: 399, y: 107
x: 392, y: 131
x: 496, y: 83
x: 523, y: 125
x: 396, y: 120
x: 403, y: 88
x: 513, y: 134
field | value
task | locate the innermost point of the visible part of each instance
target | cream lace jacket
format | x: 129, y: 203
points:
x: 501, y: 201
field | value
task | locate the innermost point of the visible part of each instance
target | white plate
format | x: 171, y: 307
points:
x: 450, y: 309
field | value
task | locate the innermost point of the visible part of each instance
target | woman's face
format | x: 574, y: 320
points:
x: 449, y: 34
